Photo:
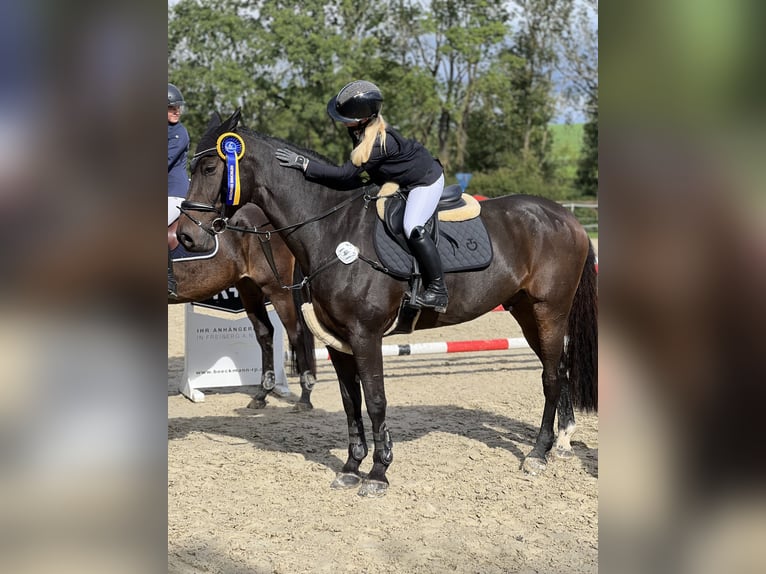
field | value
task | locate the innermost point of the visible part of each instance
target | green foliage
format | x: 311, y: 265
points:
x: 587, y: 166
x: 459, y: 76
x: 517, y: 177
x: 567, y: 140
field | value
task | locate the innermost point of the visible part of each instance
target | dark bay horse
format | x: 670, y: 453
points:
x: 240, y: 261
x: 542, y: 271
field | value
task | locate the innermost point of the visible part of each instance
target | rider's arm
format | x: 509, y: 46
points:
x: 346, y: 176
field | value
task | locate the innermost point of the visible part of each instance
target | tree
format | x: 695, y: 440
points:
x: 455, y: 42
x: 209, y: 55
x: 473, y: 85
x: 587, y: 167
x: 491, y: 144
x: 579, y: 66
x: 540, y: 29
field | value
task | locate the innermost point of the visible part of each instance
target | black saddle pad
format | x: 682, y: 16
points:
x: 462, y: 245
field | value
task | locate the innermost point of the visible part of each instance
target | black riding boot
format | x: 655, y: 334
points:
x: 424, y: 250
x: 172, y: 287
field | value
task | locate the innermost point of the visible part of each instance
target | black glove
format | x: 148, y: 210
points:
x: 291, y: 159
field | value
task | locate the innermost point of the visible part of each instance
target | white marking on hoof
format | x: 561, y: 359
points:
x: 373, y: 489
x: 534, y: 466
x: 346, y: 480
x: 564, y: 438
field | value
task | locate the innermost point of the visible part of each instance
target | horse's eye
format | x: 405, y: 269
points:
x: 208, y: 170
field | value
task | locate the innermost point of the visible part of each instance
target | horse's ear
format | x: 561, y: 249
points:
x: 215, y: 121
x: 232, y: 121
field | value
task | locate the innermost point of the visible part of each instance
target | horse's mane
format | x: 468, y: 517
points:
x: 210, y: 138
x: 209, y: 141
x: 279, y: 142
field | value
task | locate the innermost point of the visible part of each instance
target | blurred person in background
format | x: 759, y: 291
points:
x: 178, y: 179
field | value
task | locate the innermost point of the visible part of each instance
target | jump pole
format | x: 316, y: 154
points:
x: 441, y: 347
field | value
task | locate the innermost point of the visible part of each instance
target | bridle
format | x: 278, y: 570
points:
x: 220, y: 223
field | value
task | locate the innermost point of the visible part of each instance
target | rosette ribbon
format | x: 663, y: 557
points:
x: 231, y: 147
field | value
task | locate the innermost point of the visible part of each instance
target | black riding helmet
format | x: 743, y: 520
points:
x: 358, y: 101
x: 174, y: 96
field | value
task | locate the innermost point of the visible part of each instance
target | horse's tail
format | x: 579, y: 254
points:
x: 301, y: 296
x: 581, y: 354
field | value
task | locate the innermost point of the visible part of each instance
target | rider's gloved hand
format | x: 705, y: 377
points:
x: 291, y: 159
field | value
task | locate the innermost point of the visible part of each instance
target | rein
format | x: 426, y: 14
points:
x: 221, y: 224
x: 322, y: 215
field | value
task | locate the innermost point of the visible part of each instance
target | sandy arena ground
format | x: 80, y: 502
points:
x: 249, y: 491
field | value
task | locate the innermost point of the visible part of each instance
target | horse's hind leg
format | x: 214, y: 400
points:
x: 544, y: 331
x: 563, y: 446
x: 351, y: 394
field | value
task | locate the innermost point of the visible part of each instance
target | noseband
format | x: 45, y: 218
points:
x: 220, y: 223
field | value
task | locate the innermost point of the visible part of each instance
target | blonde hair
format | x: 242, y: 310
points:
x: 376, y: 128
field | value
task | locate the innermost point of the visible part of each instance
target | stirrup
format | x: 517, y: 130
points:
x: 440, y: 305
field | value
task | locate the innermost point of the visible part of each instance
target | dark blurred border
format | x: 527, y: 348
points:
x: 83, y: 474
x: 682, y: 262
x: 681, y: 258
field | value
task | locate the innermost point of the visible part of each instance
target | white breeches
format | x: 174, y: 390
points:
x: 421, y: 204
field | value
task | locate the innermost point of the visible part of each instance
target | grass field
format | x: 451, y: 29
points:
x: 567, y: 141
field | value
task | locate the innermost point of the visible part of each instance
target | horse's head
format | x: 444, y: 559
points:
x: 206, y: 208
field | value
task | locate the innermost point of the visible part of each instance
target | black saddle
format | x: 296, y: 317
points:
x: 458, y: 232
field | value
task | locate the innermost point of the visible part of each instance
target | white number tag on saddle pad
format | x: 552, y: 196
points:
x: 347, y: 252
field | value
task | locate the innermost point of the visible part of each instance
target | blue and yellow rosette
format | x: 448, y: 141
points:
x: 231, y: 148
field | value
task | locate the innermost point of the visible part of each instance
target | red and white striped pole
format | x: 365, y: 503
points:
x: 441, y: 347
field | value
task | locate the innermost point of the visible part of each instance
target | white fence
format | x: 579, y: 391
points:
x: 587, y: 213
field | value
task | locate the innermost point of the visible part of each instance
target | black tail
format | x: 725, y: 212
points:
x: 581, y: 354
x: 301, y: 296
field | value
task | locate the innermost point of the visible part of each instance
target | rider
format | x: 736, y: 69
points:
x: 178, y: 179
x: 386, y: 156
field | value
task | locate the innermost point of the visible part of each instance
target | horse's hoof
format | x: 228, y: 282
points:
x: 373, y: 489
x: 300, y: 407
x: 346, y: 480
x: 533, y: 465
x: 562, y: 453
x: 257, y: 404
x: 269, y: 380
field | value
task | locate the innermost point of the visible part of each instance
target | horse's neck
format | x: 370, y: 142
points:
x: 290, y: 201
x: 314, y: 242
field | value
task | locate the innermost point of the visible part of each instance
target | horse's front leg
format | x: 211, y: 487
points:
x: 351, y: 394
x: 369, y: 360
x: 254, y: 302
x: 302, y: 344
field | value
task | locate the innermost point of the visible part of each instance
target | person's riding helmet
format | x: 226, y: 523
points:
x: 358, y: 101
x: 174, y: 96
